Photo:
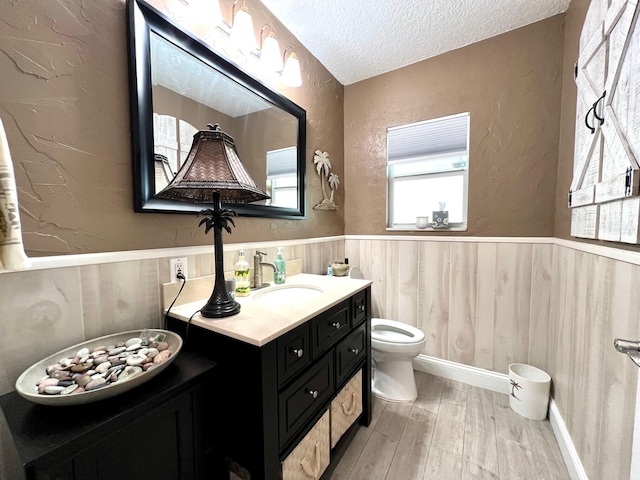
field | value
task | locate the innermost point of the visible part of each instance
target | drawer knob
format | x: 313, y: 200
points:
x: 298, y: 352
x: 354, y: 351
x: 336, y: 325
x: 313, y: 393
x: 361, y: 307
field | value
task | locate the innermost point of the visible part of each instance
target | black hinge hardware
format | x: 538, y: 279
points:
x: 627, y: 182
x: 570, y: 192
x: 575, y: 70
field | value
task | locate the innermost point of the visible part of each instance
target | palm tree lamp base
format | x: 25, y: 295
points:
x: 220, y: 304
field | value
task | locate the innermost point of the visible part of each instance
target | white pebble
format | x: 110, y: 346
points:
x: 70, y: 389
x: 82, y: 352
x: 136, y: 359
x: 53, y: 389
x: 103, y: 367
x: 133, y: 341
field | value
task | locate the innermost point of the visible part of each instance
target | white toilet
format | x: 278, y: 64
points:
x: 394, y: 345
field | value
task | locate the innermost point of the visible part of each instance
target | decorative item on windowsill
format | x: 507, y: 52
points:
x: 441, y: 217
x: 213, y: 170
x: 422, y: 222
x: 323, y: 167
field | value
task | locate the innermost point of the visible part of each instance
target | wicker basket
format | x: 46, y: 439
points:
x: 310, y: 458
x: 346, y: 407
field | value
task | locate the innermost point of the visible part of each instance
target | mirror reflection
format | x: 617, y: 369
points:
x: 178, y: 85
x: 265, y: 136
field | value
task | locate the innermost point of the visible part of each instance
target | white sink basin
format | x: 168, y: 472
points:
x: 287, y: 294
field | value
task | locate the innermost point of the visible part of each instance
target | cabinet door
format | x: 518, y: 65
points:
x: 294, y: 353
x: 605, y: 187
x: 350, y: 352
x: 329, y: 327
x: 359, y: 310
x: 304, y: 397
x: 160, y: 445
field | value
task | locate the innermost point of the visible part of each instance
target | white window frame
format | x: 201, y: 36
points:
x: 394, y: 181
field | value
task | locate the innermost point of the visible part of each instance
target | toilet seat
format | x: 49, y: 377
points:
x: 393, y: 332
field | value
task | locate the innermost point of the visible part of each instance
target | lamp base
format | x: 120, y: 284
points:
x: 220, y: 310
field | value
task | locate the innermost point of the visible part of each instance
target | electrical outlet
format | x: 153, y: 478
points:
x: 178, y: 265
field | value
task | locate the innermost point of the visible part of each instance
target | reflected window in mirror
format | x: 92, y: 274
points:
x: 281, y: 177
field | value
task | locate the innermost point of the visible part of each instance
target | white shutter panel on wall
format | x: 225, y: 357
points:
x: 604, y: 191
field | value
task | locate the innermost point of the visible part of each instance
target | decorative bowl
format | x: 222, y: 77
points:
x: 26, y: 383
x: 339, y: 269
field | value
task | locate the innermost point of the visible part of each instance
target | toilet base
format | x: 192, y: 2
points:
x: 394, y: 381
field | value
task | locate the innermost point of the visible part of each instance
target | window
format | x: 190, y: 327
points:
x: 172, y: 142
x: 282, y: 178
x: 428, y: 165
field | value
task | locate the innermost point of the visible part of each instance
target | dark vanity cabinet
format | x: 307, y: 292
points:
x: 271, y: 401
x: 156, y: 430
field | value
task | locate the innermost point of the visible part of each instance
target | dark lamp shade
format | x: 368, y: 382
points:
x: 213, y: 165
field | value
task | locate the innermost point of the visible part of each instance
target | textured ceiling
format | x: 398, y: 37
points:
x: 359, y: 39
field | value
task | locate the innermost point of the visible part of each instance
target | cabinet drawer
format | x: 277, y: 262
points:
x: 350, y: 352
x: 311, y: 456
x: 294, y: 353
x: 359, y: 312
x: 329, y: 327
x: 305, y: 396
x: 346, y: 407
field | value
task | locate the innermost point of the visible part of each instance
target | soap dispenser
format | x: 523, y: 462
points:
x: 243, y: 278
x: 280, y: 275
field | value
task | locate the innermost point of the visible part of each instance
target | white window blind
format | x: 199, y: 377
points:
x: 282, y: 162
x: 427, y: 165
x: 443, y: 137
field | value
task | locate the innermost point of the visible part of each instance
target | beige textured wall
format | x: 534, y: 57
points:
x: 64, y: 102
x: 511, y: 85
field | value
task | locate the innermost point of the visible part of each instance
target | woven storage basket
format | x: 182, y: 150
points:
x: 346, y: 407
x: 310, y: 458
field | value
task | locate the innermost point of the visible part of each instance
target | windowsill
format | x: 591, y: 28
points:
x: 428, y: 229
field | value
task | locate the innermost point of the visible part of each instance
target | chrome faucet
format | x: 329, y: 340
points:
x: 257, y: 270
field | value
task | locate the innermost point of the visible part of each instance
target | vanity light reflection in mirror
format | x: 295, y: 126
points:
x: 183, y: 104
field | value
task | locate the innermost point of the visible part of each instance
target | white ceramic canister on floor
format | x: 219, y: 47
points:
x: 529, y: 391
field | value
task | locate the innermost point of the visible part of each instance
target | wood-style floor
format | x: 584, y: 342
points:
x: 451, y: 431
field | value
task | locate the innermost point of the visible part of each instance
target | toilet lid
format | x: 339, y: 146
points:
x: 391, y: 331
x: 355, y: 272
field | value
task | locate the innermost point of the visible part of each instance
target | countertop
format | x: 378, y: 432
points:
x: 259, y: 323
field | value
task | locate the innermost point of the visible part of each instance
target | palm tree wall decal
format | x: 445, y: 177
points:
x: 323, y: 167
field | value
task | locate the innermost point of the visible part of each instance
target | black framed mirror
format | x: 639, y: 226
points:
x: 177, y: 86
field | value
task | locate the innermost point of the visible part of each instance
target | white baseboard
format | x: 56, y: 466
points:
x: 478, y: 377
x: 499, y: 382
x: 569, y: 453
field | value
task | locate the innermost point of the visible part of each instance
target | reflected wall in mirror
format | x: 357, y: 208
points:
x: 178, y: 86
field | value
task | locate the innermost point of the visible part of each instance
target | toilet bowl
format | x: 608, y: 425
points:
x: 394, y: 345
